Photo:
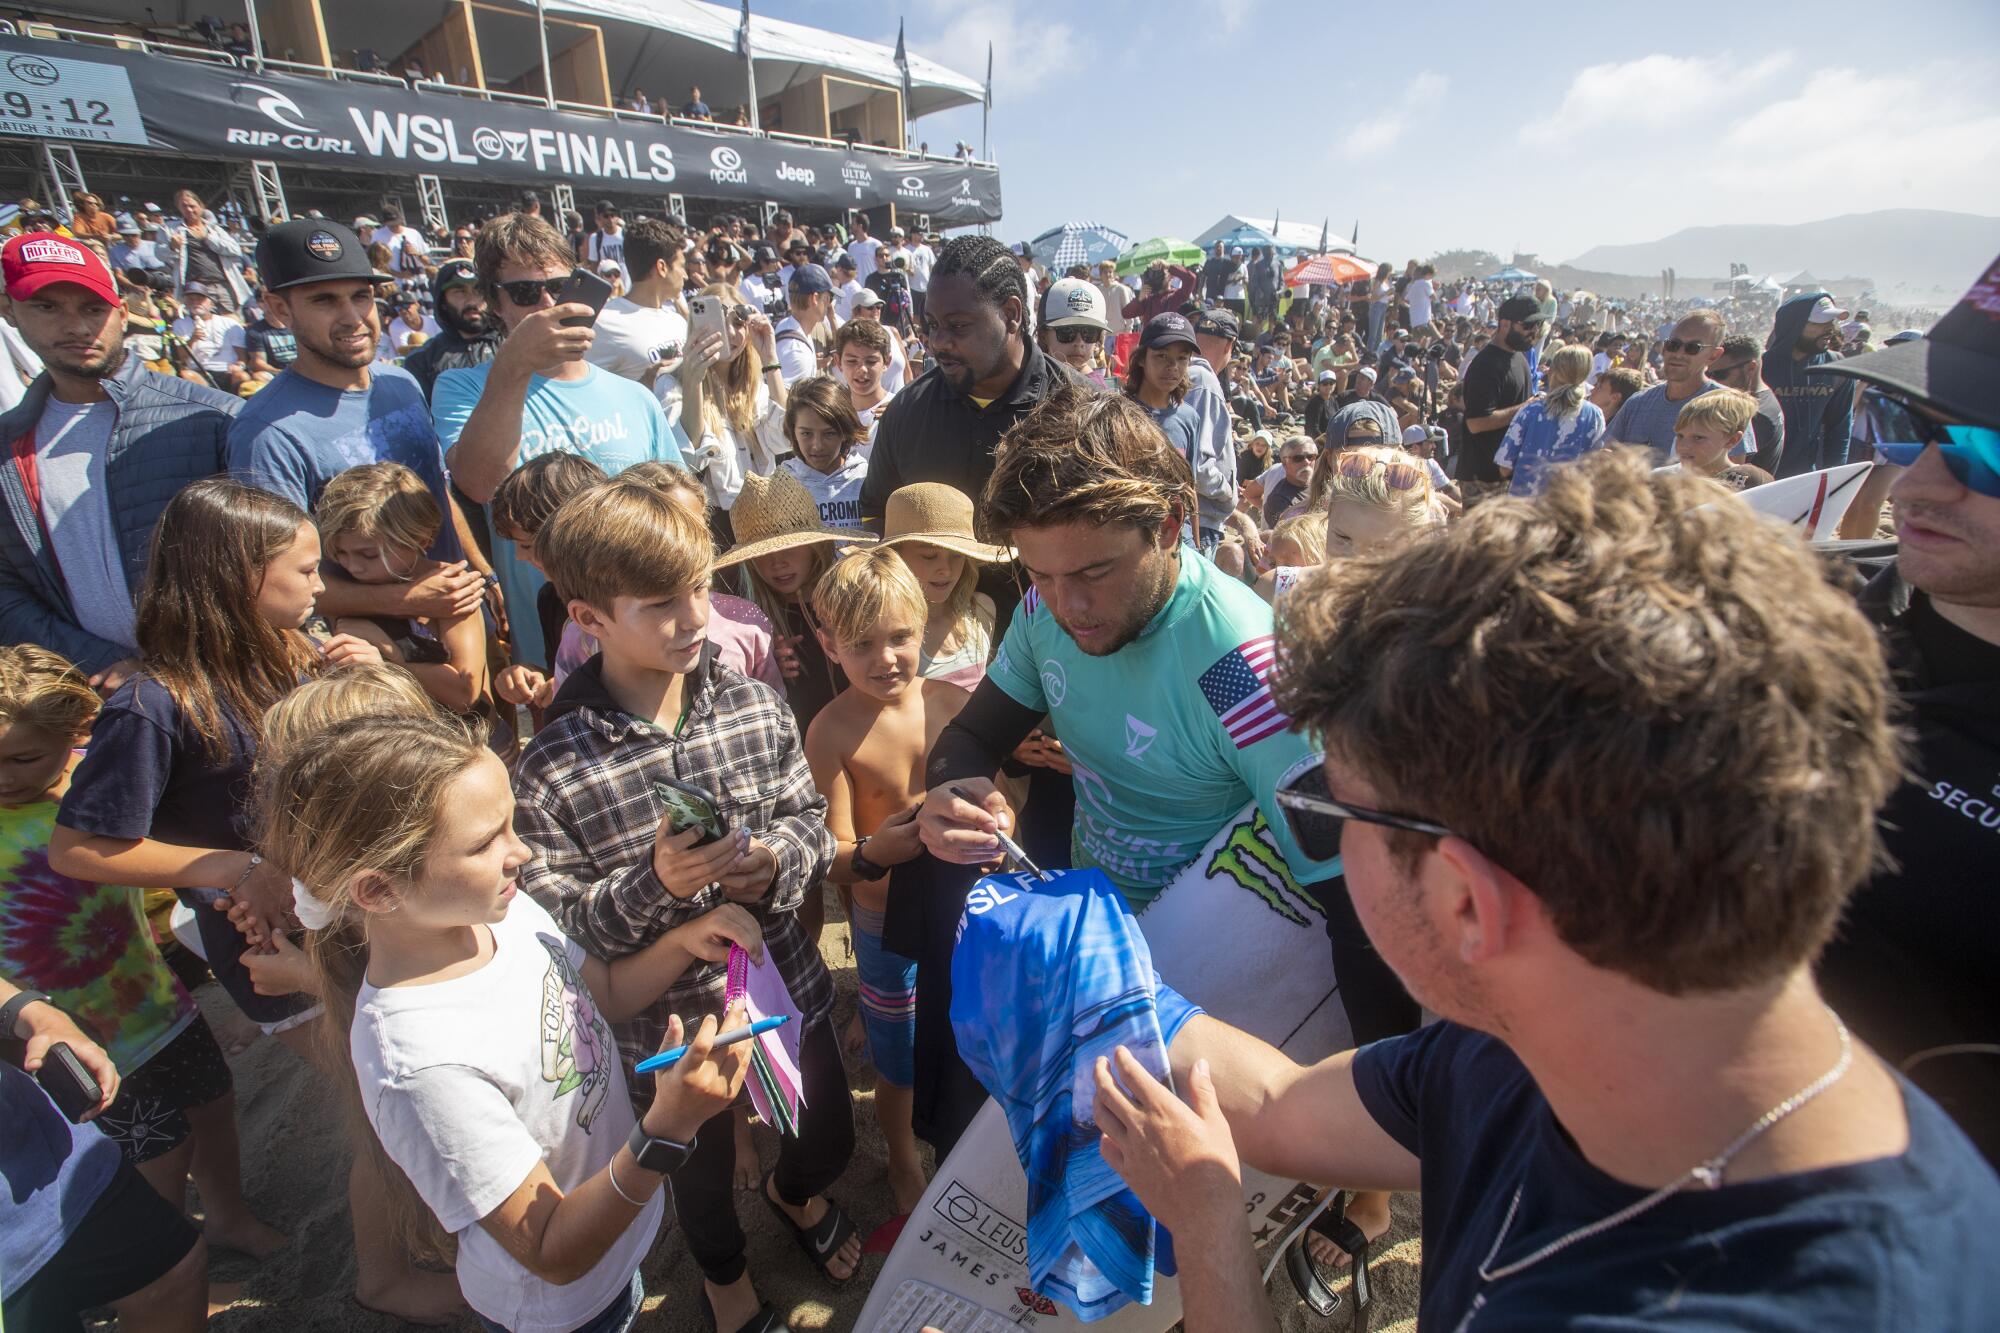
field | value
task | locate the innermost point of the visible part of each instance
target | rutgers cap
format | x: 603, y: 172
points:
x: 313, y: 250
x: 1955, y: 368
x: 35, y: 260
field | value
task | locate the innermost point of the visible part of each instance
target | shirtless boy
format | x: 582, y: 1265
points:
x: 867, y: 749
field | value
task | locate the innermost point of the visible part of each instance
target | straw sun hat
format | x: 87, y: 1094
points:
x: 937, y: 515
x: 776, y: 513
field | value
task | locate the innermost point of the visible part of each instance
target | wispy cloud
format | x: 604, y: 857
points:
x: 1028, y: 53
x: 1653, y: 91
x: 1378, y: 134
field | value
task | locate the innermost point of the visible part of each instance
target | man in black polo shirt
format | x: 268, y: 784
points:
x: 986, y: 374
x: 1496, y: 384
x: 1912, y: 966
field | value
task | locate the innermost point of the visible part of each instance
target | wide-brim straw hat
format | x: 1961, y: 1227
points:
x: 937, y: 515
x: 776, y: 513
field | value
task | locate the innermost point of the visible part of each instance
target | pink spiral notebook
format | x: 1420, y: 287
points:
x: 776, y: 1089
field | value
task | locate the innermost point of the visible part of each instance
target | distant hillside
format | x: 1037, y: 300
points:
x: 1913, y: 250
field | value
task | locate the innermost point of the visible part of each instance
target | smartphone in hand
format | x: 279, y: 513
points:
x: 691, y: 807
x: 69, y: 1085
x: 585, y: 287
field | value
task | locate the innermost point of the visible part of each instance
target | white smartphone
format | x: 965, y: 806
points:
x: 705, y: 316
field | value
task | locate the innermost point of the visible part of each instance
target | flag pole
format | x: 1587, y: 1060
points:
x: 749, y: 65
x: 548, y: 73
x: 986, y: 111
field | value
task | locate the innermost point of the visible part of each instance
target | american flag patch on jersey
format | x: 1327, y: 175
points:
x: 1238, y: 688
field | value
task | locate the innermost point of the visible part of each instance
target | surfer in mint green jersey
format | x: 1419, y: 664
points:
x: 1156, y: 670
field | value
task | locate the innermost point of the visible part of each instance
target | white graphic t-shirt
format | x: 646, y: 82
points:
x: 470, y: 1082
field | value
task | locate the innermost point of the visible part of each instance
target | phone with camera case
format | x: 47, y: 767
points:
x: 705, y: 316
x: 690, y: 807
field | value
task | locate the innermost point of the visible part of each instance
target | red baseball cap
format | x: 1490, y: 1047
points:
x: 33, y: 260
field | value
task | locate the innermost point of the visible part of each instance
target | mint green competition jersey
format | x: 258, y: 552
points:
x: 1171, y: 735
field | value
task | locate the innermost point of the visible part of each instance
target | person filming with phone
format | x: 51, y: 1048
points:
x: 539, y: 394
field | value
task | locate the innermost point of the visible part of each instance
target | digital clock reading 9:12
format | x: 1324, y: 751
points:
x: 66, y: 109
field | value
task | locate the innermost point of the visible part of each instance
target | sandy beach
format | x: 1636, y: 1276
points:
x: 295, y: 1174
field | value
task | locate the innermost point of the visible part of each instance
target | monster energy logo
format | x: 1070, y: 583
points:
x: 1253, y: 861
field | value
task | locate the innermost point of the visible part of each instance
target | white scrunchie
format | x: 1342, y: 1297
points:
x: 313, y: 913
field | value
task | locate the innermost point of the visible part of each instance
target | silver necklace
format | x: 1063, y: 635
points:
x: 1708, y: 1173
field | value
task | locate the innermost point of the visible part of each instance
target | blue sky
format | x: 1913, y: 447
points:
x: 1454, y: 123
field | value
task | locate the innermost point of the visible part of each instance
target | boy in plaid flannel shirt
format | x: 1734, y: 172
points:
x: 655, y: 703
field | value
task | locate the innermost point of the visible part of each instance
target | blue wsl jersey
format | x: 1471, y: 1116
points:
x: 1171, y: 735
x: 1047, y: 976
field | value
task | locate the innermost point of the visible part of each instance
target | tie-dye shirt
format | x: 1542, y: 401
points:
x: 87, y: 945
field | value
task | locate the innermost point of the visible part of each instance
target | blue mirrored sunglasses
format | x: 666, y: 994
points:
x: 1971, y: 452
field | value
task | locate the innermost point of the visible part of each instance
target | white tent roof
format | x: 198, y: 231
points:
x: 784, y: 52
x: 1301, y: 235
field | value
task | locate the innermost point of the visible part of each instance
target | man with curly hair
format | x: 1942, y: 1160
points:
x: 1604, y: 768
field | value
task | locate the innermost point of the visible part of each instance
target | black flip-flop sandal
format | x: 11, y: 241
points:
x: 822, y: 1241
x: 766, y: 1319
x: 1320, y: 1298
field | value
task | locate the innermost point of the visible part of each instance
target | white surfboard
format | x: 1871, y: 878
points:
x: 1813, y: 502
x: 1237, y: 936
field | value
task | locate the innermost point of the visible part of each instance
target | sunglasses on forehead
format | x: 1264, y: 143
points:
x: 1398, y: 476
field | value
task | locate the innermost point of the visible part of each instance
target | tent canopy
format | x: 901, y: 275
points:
x: 1291, y: 237
x: 1512, y: 274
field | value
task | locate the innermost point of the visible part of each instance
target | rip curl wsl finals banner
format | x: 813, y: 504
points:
x: 99, y: 96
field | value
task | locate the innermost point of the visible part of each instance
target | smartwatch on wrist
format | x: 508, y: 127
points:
x: 863, y: 867
x: 10, y: 1012
x: 660, y: 1156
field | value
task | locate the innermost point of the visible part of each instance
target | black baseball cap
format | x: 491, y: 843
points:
x: 1520, y: 309
x: 1217, y: 323
x: 764, y: 254
x: 1955, y: 368
x: 1166, y: 329
x: 313, y: 250
x: 455, y: 273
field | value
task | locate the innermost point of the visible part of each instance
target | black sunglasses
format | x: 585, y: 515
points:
x: 1315, y: 822
x: 529, y: 291
x: 1693, y: 347
x: 1076, y: 335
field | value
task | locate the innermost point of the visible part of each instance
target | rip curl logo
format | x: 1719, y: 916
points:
x: 577, y: 1054
x: 52, y: 252
x: 726, y: 166
x: 1139, y: 737
x: 275, y: 106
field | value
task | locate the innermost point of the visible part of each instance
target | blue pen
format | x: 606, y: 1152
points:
x: 729, y: 1038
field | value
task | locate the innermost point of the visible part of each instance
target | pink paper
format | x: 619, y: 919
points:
x: 765, y: 995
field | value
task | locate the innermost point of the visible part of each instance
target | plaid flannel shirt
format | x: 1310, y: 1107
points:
x: 585, y: 804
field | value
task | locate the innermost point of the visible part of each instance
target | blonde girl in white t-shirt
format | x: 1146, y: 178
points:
x: 479, y: 1034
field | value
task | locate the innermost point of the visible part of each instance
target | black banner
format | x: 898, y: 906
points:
x: 86, y: 94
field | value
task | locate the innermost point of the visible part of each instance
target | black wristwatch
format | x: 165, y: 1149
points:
x: 660, y: 1156
x: 863, y: 867
x: 10, y: 1012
